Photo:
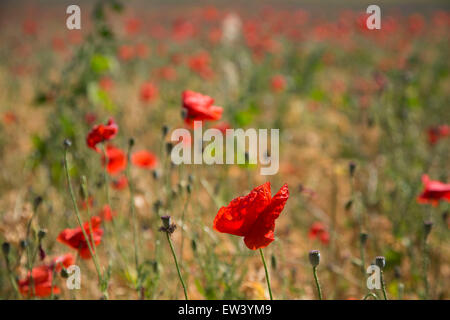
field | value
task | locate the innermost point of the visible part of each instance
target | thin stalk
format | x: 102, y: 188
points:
x: 383, y: 286
x: 133, y: 214
x: 176, y: 265
x: 316, y: 279
x: 80, y: 223
x: 267, y: 273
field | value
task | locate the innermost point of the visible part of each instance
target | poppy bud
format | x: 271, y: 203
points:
x: 363, y: 238
x: 169, y: 147
x: 194, y: 245
x: 64, y: 273
x: 189, y: 188
x: 131, y: 142
x: 348, y: 205
x: 41, y: 234
x: 6, y: 247
x: 67, y: 143
x: 273, y: 261
x: 183, y: 114
x: 42, y: 254
x: 351, y: 168
x: 37, y: 202
x: 427, y: 226
x: 314, y: 257
x: 164, y: 130
x: 156, y: 174
x: 380, y: 261
x: 23, y: 244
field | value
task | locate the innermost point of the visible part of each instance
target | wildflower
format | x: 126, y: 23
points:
x: 119, y: 183
x: 278, y: 83
x: 434, y: 191
x: 148, y: 92
x: 253, y: 216
x: 117, y: 160
x: 144, y: 159
x: 106, y: 213
x: 318, y: 231
x: 314, y: 257
x: 75, y: 239
x: 437, y: 133
x: 199, y: 107
x: 42, y: 277
x: 101, y: 133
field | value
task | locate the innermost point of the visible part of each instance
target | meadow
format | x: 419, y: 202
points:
x: 86, y: 177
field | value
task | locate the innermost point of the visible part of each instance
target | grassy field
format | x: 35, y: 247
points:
x: 364, y: 150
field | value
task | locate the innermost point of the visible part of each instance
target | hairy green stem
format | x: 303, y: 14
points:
x: 316, y: 279
x: 176, y: 265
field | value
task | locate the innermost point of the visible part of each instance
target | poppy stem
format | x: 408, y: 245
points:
x: 176, y: 265
x: 133, y: 215
x: 383, y: 286
x: 316, y: 279
x: 267, y: 273
x: 77, y: 213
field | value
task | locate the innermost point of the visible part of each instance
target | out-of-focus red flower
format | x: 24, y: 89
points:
x: 142, y: 50
x: 64, y: 261
x: 148, y: 92
x: 106, y: 213
x: 85, y: 203
x: 144, y: 159
x: 9, y: 117
x: 119, y: 183
x: 101, y: 133
x: 42, y: 282
x: 75, y: 239
x: 215, y: 35
x: 210, y: 13
x: 126, y: 52
x: 117, y: 160
x: 223, y: 126
x: 437, y: 133
x: 132, y: 26
x: 201, y: 64
x: 58, y: 44
x: 182, y: 30
x: 106, y: 84
x: 42, y: 277
x: 434, y: 191
x: 167, y: 73
x: 90, y: 117
x: 199, y: 107
x: 416, y: 23
x: 318, y: 231
x: 253, y: 216
x: 29, y: 27
x: 278, y: 83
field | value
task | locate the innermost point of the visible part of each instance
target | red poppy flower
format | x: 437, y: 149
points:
x: 148, y: 92
x: 318, y: 231
x: 201, y: 64
x: 119, y: 183
x: 42, y: 277
x: 117, y: 160
x: 65, y: 261
x: 278, y: 83
x: 437, y: 133
x: 107, y: 214
x: 434, y: 191
x: 253, y: 216
x: 75, y: 239
x: 199, y: 107
x: 42, y: 282
x: 144, y: 159
x: 100, y: 133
